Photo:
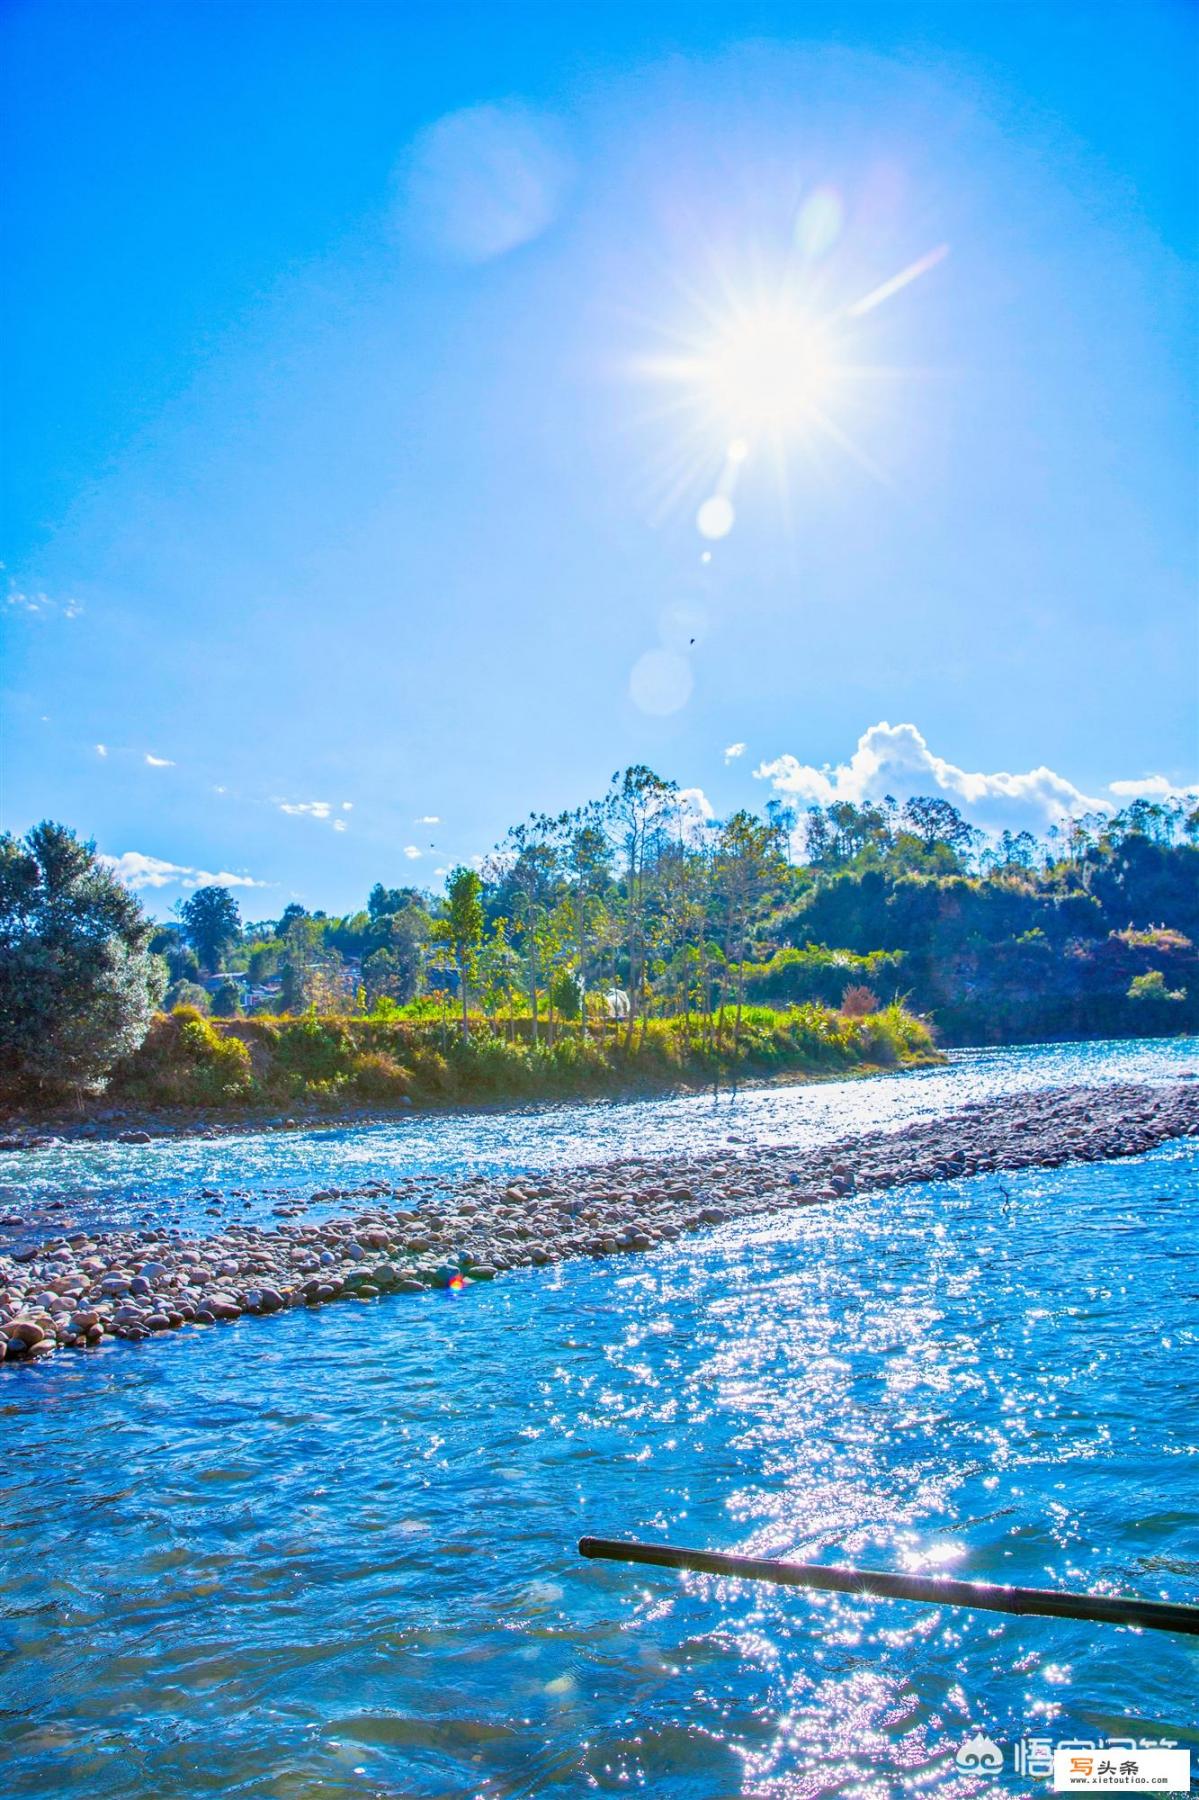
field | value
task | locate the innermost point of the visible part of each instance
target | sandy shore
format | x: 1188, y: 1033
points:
x: 410, y: 1235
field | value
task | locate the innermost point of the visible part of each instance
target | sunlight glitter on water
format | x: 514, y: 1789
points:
x: 329, y: 1543
x: 117, y: 1184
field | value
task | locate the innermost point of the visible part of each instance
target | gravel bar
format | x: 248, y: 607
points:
x: 409, y: 1235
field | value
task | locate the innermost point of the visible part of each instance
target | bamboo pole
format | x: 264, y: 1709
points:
x: 1149, y: 1615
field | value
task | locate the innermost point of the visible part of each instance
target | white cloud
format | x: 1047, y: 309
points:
x: 895, y: 759
x: 347, y: 806
x: 1150, y: 787
x: 39, y: 604
x: 412, y: 853
x: 696, y: 813
x: 339, y: 824
x: 733, y: 752
x: 427, y: 819
x: 158, y: 762
x: 311, y: 809
x: 101, y: 749
x: 137, y: 871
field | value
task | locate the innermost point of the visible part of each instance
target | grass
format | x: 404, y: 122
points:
x: 190, y: 1061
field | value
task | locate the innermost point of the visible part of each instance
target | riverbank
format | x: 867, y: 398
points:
x: 197, y: 1077
x: 83, y: 1290
x: 193, y: 1072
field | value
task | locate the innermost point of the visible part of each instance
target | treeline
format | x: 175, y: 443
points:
x: 639, y: 904
x: 635, y: 910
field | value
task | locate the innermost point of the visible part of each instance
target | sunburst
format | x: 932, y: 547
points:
x: 767, y: 371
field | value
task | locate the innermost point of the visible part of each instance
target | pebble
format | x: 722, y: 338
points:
x: 417, y: 1234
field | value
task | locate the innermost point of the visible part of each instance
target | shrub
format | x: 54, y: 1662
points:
x: 314, y: 1052
x: 378, y: 1076
x: 856, y: 1002
x: 186, y: 1061
x: 1152, y: 986
x: 564, y: 994
x: 188, y: 993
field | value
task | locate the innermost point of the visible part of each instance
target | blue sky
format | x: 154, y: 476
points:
x: 368, y: 369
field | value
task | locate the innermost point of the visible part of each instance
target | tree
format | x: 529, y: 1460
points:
x: 78, y: 982
x: 311, y: 970
x: 211, y: 922
x: 226, y: 1002
x: 639, y: 808
x: 180, y: 960
x: 935, y: 820
x: 747, y: 861
x: 462, y: 929
x: 383, y: 900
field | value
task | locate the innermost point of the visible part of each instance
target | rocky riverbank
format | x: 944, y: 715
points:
x: 409, y: 1235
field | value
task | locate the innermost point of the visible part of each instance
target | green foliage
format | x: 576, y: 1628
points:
x: 313, y: 1052
x: 188, y: 993
x: 564, y: 994
x: 719, y: 951
x: 211, y: 922
x: 815, y: 972
x: 378, y: 1076
x: 187, y: 1061
x: 78, y: 981
x: 1152, y: 986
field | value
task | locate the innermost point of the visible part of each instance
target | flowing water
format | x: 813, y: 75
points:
x: 120, y: 1184
x: 332, y: 1554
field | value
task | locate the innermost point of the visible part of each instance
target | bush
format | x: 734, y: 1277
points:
x: 189, y: 1060
x: 378, y: 1076
x: 314, y: 1051
x: 1152, y: 986
x: 186, y: 1061
x: 188, y: 993
x: 856, y: 1002
x: 226, y: 1002
x: 564, y: 994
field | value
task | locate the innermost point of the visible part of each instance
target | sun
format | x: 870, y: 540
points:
x: 769, y: 371
x: 775, y: 372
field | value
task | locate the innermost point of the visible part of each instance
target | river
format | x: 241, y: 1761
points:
x: 333, y: 1554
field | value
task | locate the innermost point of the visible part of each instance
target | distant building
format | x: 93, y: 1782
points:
x: 239, y: 978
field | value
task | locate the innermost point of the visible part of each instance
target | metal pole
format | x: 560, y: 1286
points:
x: 1150, y: 1615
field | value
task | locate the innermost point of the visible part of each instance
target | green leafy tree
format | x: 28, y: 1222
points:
x: 312, y: 972
x: 181, y: 960
x: 79, y: 983
x: 747, y: 861
x: 461, y: 928
x: 226, y: 1001
x: 211, y: 923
